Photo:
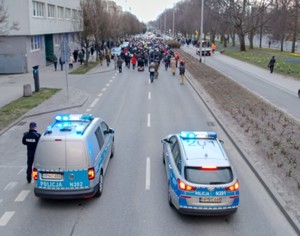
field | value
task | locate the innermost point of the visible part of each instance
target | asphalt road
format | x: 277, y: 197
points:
x: 134, y: 201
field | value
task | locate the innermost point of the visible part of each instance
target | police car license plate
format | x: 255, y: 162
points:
x: 210, y: 200
x: 51, y: 176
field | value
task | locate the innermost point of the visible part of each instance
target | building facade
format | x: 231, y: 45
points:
x: 43, y: 26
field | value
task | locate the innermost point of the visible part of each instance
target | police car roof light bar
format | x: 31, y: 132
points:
x: 197, y: 135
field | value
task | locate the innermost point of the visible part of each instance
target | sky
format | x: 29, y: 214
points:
x: 146, y: 10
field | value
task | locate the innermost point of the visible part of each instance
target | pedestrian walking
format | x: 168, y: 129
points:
x: 61, y: 62
x: 55, y: 62
x: 181, y: 72
x: 272, y: 64
x: 81, y: 56
x: 30, y: 139
x: 173, y: 65
x: 133, y: 61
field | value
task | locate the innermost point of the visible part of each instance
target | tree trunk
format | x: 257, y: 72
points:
x: 242, y: 43
x: 250, y: 37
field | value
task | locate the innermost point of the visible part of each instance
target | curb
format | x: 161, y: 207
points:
x: 275, y: 197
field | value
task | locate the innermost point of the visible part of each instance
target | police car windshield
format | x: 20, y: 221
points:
x: 221, y: 175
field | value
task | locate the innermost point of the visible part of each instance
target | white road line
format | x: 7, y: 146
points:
x: 100, y: 94
x: 6, y: 217
x: 1, y: 200
x: 149, y: 120
x: 22, y: 195
x: 113, y: 77
x: 104, y: 89
x: 88, y: 110
x: 111, y: 81
x: 147, y: 186
x: 107, y: 85
x: 21, y: 171
x: 94, y: 102
x: 10, y: 186
x: 149, y: 95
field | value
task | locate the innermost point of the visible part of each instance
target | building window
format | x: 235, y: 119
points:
x: 60, y: 12
x: 38, y: 8
x: 74, y: 14
x: 51, y: 11
x: 36, y: 42
x: 68, y: 13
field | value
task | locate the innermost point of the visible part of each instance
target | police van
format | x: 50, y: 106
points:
x: 72, y: 156
x: 201, y: 179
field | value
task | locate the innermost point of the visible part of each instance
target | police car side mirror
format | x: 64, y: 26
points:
x: 221, y: 141
x: 165, y: 140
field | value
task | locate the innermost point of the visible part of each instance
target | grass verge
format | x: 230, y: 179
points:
x: 84, y: 68
x: 14, y: 110
x: 286, y: 63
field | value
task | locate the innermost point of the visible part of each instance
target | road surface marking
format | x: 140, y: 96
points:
x: 94, y: 102
x: 107, y: 85
x: 88, y: 110
x: 100, y: 94
x: 104, y: 89
x: 10, y: 186
x: 6, y: 217
x: 149, y: 95
x: 21, y: 171
x: 111, y: 81
x: 22, y: 195
x: 147, y: 187
x: 149, y: 120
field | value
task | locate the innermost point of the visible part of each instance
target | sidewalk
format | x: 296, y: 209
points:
x: 287, y: 83
x: 11, y: 88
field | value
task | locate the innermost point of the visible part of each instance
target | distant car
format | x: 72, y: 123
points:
x: 201, y: 179
x: 115, y: 51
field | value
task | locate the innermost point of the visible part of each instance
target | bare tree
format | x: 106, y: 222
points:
x: 5, y: 27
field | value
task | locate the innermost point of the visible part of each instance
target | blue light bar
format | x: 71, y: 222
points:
x: 74, y: 117
x: 197, y: 135
x: 79, y: 129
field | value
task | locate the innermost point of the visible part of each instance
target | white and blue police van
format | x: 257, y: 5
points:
x: 72, y: 156
x: 201, y: 180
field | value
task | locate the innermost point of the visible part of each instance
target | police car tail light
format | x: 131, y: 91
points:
x: 208, y: 168
x: 183, y: 186
x: 35, y: 174
x: 233, y: 187
x: 91, y: 173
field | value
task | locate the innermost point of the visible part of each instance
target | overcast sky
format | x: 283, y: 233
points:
x: 146, y: 10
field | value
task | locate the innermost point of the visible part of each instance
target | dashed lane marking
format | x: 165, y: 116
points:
x: 22, y: 195
x: 148, y: 176
x: 100, y: 94
x: 10, y: 186
x: 94, y: 102
x: 107, y: 85
x: 6, y: 217
x: 149, y: 120
x: 104, y: 89
x: 88, y: 110
x: 149, y: 95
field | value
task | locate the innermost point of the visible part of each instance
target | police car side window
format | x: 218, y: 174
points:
x: 176, y: 154
x: 105, y: 129
x: 99, y: 137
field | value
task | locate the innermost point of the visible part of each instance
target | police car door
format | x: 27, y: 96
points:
x: 169, y: 155
x: 107, y: 143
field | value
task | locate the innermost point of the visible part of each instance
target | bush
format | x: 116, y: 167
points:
x: 173, y: 43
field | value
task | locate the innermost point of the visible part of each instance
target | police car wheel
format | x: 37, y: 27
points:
x: 169, y: 196
x: 112, y: 150
x: 100, y: 189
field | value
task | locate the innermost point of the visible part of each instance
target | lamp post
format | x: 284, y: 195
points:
x: 165, y: 28
x: 174, y: 21
x: 201, y: 30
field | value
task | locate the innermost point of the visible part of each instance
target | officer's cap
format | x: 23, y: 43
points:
x: 32, y: 125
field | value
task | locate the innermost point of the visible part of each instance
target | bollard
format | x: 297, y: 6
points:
x: 36, y: 78
x: 27, y: 92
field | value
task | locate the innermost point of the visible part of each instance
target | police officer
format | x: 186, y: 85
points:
x: 30, y: 139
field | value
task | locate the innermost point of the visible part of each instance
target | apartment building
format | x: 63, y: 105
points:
x: 43, y: 26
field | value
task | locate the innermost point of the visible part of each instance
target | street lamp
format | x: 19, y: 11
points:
x: 201, y: 30
x: 174, y: 21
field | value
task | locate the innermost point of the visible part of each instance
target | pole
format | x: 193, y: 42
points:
x: 165, y: 21
x: 201, y: 30
x: 174, y: 21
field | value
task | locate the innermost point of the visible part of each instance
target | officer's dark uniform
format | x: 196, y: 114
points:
x: 30, y: 139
